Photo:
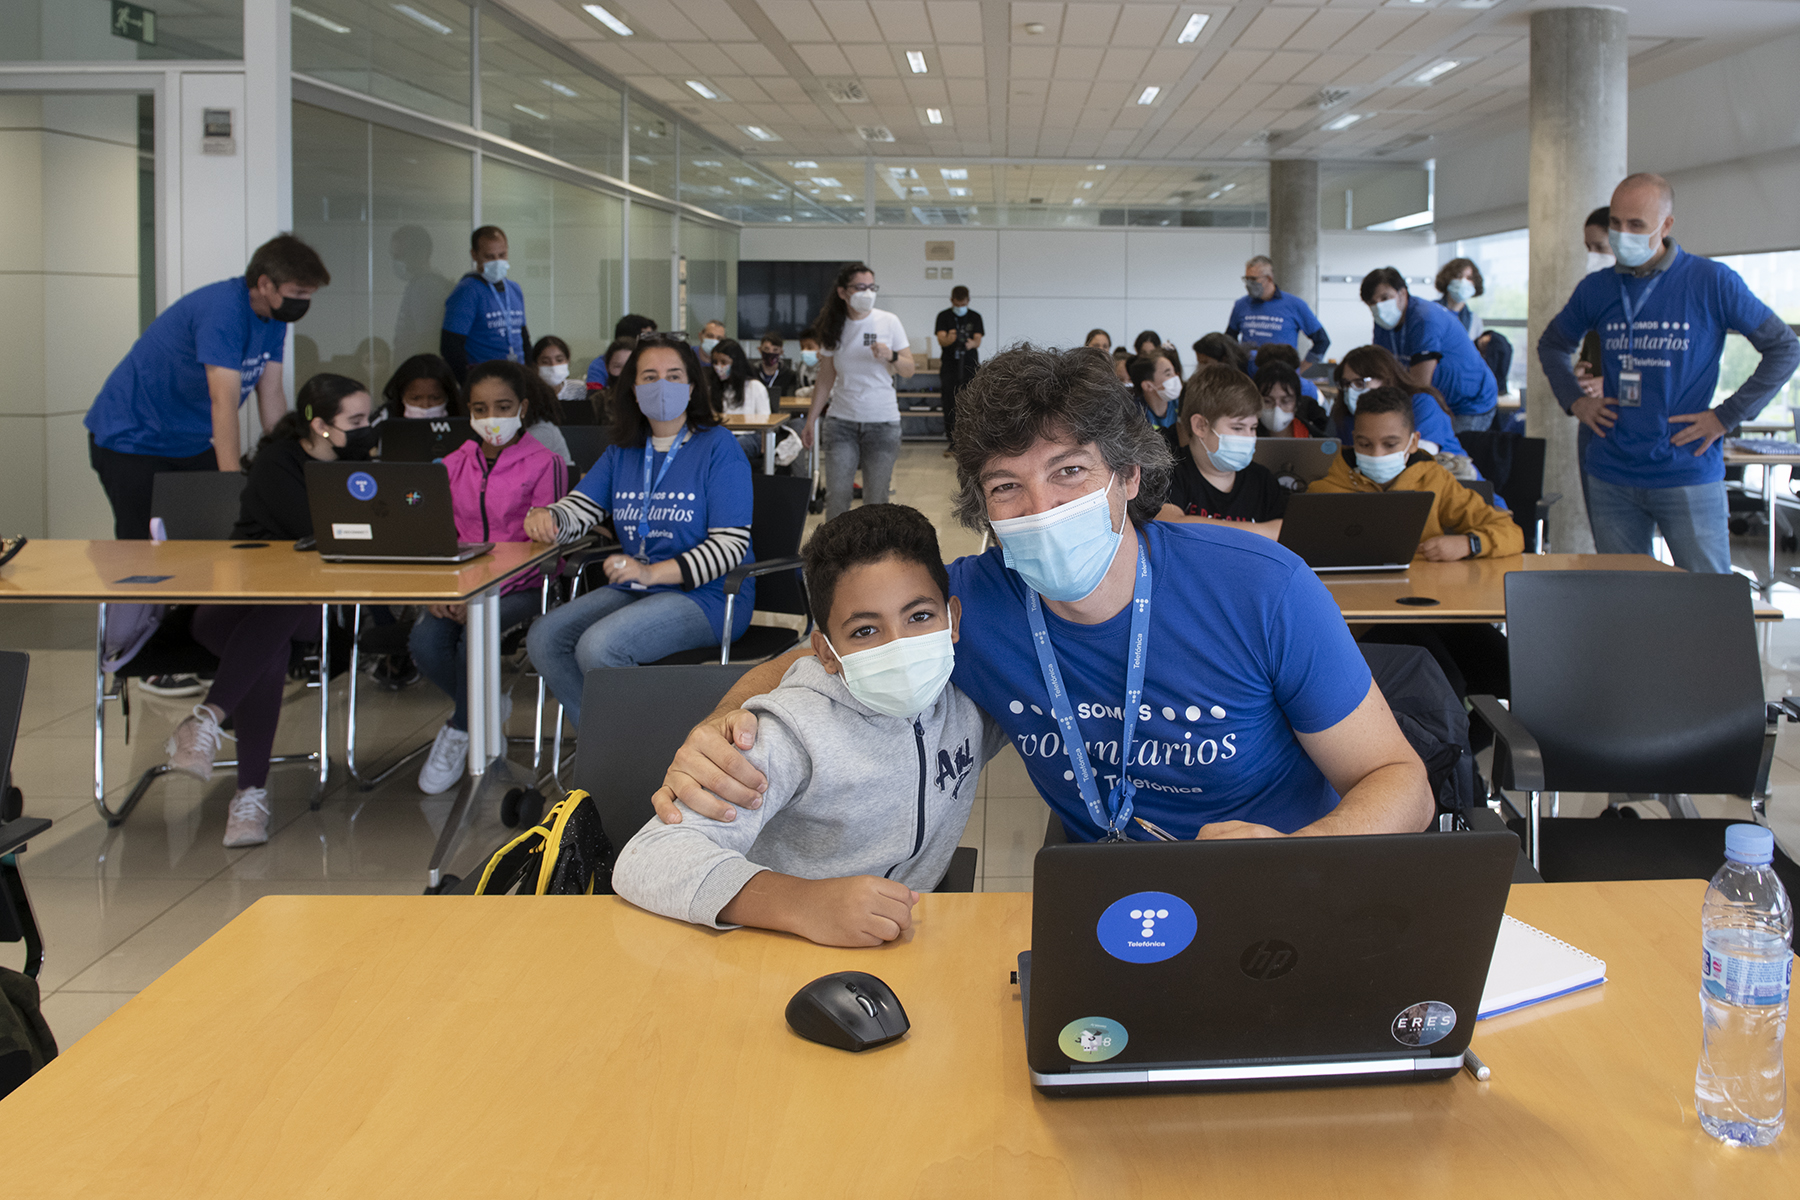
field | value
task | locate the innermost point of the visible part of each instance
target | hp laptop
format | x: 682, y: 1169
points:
x: 1178, y: 966
x: 428, y: 440
x: 1356, y: 531
x: 1297, y: 462
x: 385, y: 512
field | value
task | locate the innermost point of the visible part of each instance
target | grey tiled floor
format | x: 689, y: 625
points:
x: 119, y: 907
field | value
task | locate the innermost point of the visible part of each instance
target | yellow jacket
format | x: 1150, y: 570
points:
x: 1458, y: 509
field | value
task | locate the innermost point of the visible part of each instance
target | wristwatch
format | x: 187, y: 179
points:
x: 893, y: 356
x: 1474, y: 545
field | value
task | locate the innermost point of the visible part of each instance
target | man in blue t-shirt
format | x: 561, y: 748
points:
x: 484, y: 318
x: 1432, y: 344
x: 1253, y: 713
x: 172, y: 403
x: 628, y: 329
x: 1268, y: 314
x: 1662, y: 316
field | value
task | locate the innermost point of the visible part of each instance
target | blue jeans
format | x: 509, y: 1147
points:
x: 1692, y: 520
x: 872, y: 445
x: 442, y: 652
x: 611, y: 627
x: 1473, y: 422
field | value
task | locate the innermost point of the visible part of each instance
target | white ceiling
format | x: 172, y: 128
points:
x: 1248, y: 89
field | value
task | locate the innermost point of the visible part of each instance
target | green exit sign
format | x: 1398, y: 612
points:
x: 133, y: 21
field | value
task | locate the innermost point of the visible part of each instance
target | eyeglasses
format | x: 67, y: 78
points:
x: 870, y: 288
x: 1254, y: 278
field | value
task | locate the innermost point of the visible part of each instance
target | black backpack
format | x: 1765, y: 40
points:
x: 1433, y: 719
x: 26, y: 1043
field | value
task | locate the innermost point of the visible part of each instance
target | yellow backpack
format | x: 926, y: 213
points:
x: 565, y: 854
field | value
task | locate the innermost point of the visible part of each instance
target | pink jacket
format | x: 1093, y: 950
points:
x: 491, y: 499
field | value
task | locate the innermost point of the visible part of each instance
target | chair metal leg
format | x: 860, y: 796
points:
x: 324, y: 705
x: 365, y: 782
x: 13, y: 883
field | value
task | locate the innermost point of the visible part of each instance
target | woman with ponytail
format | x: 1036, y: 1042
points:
x: 862, y: 348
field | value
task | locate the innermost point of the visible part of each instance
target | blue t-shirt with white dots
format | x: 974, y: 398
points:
x: 1246, y: 649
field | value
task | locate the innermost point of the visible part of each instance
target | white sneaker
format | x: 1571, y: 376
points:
x: 248, y: 824
x: 444, y: 765
x: 195, y: 743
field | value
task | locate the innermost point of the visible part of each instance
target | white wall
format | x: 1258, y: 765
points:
x: 1051, y: 286
x: 1727, y: 135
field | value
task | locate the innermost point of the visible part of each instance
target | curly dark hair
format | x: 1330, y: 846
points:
x: 1455, y: 267
x: 422, y: 366
x: 1028, y: 393
x: 865, y: 535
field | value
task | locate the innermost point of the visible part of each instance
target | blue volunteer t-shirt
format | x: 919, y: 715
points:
x: 596, y: 372
x: 1677, y: 337
x: 156, y: 400
x: 1281, y: 318
x: 491, y: 319
x: 707, y: 487
x: 1246, y: 648
x: 1461, y: 374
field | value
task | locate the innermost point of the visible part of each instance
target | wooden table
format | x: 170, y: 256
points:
x: 567, y: 1046
x: 1473, y: 590
x: 200, y: 572
x: 1768, y: 463
x: 766, y: 424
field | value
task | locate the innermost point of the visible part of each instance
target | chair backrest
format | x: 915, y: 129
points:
x: 775, y: 532
x: 1481, y: 487
x: 197, y: 505
x: 576, y: 412
x: 586, y: 443
x: 1637, y: 681
x: 633, y: 719
x: 15, y: 665
x: 1516, y: 465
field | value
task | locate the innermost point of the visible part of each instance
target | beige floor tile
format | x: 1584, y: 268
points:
x: 974, y: 833
x: 1005, y: 883
x: 1014, y: 834
x: 71, y: 1015
x: 1005, y: 775
x: 84, y: 919
x: 138, y: 960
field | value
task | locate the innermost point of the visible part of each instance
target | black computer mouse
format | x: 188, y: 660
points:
x: 850, y: 1010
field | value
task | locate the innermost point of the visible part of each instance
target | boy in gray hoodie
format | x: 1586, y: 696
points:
x: 872, y: 758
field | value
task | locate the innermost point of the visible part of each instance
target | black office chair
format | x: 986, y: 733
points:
x: 1515, y: 465
x: 586, y: 443
x: 575, y: 413
x: 17, y: 922
x: 775, y: 532
x: 1632, y: 681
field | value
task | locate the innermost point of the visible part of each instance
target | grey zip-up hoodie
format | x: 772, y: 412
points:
x: 851, y: 792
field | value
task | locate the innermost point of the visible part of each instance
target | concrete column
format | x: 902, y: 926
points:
x: 1294, y: 227
x: 1579, y: 105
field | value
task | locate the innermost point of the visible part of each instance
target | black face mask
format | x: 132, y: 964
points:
x: 291, y: 309
x: 359, y: 443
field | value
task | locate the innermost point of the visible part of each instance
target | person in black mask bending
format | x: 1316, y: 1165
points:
x: 331, y: 421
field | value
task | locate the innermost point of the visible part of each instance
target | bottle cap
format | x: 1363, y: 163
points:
x: 1751, y: 844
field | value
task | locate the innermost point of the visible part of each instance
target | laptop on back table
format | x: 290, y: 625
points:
x: 385, y: 512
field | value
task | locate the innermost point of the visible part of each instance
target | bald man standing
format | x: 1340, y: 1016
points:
x: 1655, y: 460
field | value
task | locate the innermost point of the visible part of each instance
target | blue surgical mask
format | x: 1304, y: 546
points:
x: 810, y: 357
x: 494, y: 270
x: 1387, y: 312
x: 901, y: 678
x: 1063, y: 554
x: 1460, y: 290
x: 961, y: 310
x: 1632, y: 249
x: 1382, y: 468
x: 1234, y: 452
x: 663, y: 399
x: 707, y: 344
x: 1351, y: 396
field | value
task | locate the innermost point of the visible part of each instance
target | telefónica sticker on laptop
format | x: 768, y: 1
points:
x: 362, y: 485
x: 1147, y: 927
x: 1092, y: 1039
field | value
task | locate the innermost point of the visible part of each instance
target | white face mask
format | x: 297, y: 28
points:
x: 554, y: 376
x: 862, y: 303
x: 1277, y: 418
x: 1387, y: 312
x: 1460, y: 290
x: 722, y: 371
x: 1170, y: 388
x: 904, y: 677
x: 1351, y: 394
x: 496, y: 431
x: 1599, y: 262
x: 707, y: 344
x: 425, y: 414
x: 1064, y: 552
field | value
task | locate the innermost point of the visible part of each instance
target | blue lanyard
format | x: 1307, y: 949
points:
x: 1117, y: 813
x: 668, y: 460
x: 1631, y: 315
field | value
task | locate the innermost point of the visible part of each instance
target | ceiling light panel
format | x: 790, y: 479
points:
x: 429, y: 22
x: 1191, y: 30
x: 701, y: 90
x: 601, y: 14
x: 1149, y: 95
x: 322, y: 22
x: 916, y: 60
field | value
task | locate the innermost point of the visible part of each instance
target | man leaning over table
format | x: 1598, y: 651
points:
x: 1655, y: 459
x: 1210, y: 660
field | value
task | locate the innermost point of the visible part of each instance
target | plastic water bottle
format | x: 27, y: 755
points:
x: 1746, y: 935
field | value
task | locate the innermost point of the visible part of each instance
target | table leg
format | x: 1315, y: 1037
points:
x: 1768, y: 587
x: 487, y: 747
x: 768, y: 452
x: 475, y: 630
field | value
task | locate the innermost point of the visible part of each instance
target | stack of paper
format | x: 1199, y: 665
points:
x: 1529, y: 965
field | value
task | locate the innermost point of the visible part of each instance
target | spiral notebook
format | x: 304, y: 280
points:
x: 1531, y: 966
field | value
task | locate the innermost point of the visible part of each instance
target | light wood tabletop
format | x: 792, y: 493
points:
x: 795, y: 403
x: 269, y: 573
x: 1468, y: 591
x: 569, y: 1046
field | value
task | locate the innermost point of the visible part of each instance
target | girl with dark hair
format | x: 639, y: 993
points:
x: 1217, y: 348
x: 862, y: 348
x: 677, y: 492
x: 423, y: 387
x: 1150, y: 342
x: 1156, y: 385
x: 1287, y: 411
x: 494, y: 482
x: 550, y: 357
x: 1098, y: 339
x: 1458, y: 282
x: 330, y: 421
x: 738, y: 392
